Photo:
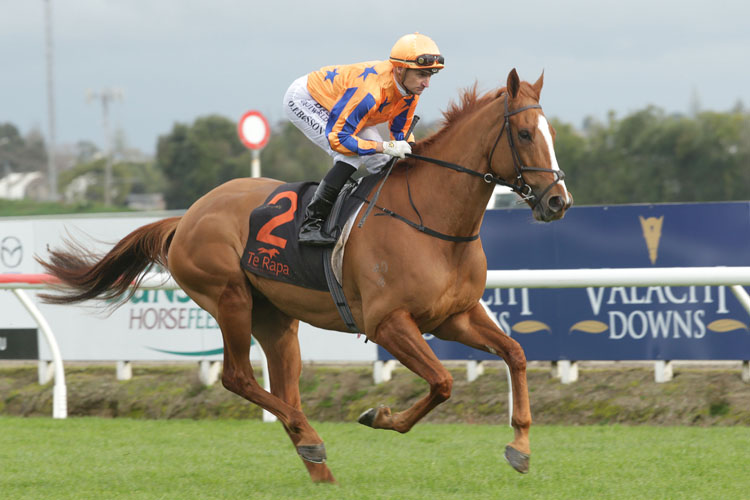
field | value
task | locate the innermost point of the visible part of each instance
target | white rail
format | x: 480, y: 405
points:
x: 734, y: 277
x: 649, y: 276
x: 153, y: 281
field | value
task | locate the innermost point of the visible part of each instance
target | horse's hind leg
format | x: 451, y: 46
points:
x: 277, y: 334
x: 476, y: 329
x: 234, y: 316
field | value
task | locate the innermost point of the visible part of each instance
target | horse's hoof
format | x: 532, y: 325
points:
x: 517, y: 460
x: 315, y: 453
x: 367, y: 418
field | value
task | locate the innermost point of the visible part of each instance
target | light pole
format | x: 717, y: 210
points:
x: 51, y: 167
x: 105, y: 97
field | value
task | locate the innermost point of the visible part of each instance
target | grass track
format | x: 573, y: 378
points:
x: 96, y: 458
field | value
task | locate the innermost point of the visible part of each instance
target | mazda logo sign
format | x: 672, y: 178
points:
x: 11, y: 251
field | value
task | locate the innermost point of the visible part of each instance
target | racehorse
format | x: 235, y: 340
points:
x: 400, y: 279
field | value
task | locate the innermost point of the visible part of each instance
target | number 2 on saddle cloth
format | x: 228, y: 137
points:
x: 272, y: 250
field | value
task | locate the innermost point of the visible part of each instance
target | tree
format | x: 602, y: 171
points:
x: 84, y: 183
x: 652, y: 157
x: 292, y: 157
x: 19, y: 153
x: 197, y: 158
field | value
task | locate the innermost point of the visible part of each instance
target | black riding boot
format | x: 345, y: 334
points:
x: 316, y: 213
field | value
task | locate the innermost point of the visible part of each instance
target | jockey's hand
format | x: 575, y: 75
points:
x: 398, y: 149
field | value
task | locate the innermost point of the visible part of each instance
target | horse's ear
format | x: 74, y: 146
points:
x: 538, y: 84
x: 514, y: 83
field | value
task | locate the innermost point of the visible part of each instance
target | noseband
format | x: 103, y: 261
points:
x: 519, y: 184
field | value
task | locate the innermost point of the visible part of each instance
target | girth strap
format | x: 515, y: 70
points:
x: 334, y: 287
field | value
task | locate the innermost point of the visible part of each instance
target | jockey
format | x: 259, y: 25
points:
x: 337, y: 107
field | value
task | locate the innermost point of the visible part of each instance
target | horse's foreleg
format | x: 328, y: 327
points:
x: 399, y: 335
x: 277, y: 334
x: 476, y: 329
x: 234, y: 315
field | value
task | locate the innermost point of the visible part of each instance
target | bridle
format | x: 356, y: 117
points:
x: 519, y: 184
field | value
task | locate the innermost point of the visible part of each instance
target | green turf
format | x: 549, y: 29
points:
x: 187, y: 459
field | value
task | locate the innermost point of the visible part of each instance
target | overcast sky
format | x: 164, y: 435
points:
x: 176, y: 60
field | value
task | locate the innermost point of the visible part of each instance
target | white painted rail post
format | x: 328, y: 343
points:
x: 663, y: 371
x: 59, y: 390
x: 742, y: 296
x: 208, y: 371
x: 383, y: 371
x: 124, y: 370
x: 45, y: 371
x: 474, y: 369
x: 568, y: 371
x: 554, y: 370
x: 267, y: 415
x: 507, y: 368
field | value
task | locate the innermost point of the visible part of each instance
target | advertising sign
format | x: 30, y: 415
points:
x: 19, y: 343
x: 153, y: 325
x: 618, y: 323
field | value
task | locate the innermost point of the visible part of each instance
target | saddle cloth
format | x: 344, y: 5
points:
x: 272, y: 250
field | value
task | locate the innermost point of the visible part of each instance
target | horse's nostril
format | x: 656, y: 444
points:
x: 556, y: 203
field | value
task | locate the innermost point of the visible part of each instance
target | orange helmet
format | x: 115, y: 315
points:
x: 417, y: 51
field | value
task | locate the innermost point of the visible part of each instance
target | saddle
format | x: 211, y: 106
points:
x: 272, y: 250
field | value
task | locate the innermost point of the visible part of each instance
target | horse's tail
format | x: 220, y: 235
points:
x: 84, y: 275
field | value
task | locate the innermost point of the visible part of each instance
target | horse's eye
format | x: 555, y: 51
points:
x: 524, y: 134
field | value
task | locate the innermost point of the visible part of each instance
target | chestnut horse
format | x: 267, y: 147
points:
x: 399, y: 282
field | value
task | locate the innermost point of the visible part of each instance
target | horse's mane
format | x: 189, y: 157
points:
x: 468, y: 102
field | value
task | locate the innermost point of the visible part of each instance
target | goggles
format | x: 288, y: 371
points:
x: 423, y: 60
x: 429, y: 59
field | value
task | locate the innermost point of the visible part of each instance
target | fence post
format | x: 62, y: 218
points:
x: 267, y: 415
x: 208, y: 371
x: 663, y: 371
x: 46, y: 371
x: 382, y: 371
x: 554, y: 370
x: 124, y: 370
x: 746, y: 371
x: 474, y: 369
x: 568, y: 371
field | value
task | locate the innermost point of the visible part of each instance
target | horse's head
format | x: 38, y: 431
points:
x: 525, y: 158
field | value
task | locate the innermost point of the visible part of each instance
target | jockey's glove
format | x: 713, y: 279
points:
x: 398, y: 149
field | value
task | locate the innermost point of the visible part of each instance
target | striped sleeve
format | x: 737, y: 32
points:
x: 346, y: 119
x: 400, y: 123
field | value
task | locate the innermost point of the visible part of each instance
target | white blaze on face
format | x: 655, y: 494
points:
x: 544, y: 129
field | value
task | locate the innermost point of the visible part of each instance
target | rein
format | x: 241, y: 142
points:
x: 421, y: 227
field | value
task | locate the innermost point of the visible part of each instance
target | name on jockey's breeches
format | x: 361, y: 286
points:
x: 305, y: 117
